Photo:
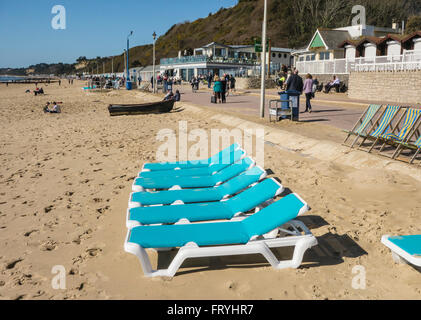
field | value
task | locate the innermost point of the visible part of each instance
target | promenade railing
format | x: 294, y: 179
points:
x: 206, y: 59
x: 410, y: 60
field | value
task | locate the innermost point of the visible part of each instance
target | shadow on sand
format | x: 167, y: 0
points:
x: 331, y: 250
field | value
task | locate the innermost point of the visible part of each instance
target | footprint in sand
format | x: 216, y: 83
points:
x: 12, y: 264
x: 49, y: 245
x: 27, y: 234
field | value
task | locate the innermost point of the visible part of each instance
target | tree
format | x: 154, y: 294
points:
x: 136, y: 64
x: 413, y: 24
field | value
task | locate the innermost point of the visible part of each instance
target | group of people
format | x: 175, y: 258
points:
x: 55, y: 108
x: 295, y: 83
x: 222, y: 86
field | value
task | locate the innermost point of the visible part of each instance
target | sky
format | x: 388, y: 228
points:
x: 93, y: 27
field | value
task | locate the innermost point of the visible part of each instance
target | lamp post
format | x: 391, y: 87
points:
x: 112, y: 65
x: 153, y: 70
x: 263, y: 65
x: 128, y: 82
x: 125, y: 62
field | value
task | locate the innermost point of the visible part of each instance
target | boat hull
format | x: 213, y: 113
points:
x: 146, y: 108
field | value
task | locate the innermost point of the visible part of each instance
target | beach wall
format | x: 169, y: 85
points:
x: 253, y: 83
x: 399, y: 86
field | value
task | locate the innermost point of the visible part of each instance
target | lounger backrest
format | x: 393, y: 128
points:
x: 224, y: 154
x: 384, y: 124
x: 273, y: 216
x: 228, y: 159
x: 233, y: 170
x: 371, y: 111
x: 241, y: 182
x: 254, y: 196
x: 411, y: 118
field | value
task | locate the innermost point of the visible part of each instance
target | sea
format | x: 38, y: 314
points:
x: 6, y: 78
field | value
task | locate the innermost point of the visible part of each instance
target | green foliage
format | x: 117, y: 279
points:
x: 414, y: 24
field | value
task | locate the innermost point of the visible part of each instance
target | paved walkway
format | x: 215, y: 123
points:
x: 249, y: 104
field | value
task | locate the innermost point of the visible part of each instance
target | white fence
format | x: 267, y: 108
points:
x: 410, y: 60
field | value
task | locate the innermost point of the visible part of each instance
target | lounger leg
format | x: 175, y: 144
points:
x: 397, y: 152
x: 347, y: 137
x: 372, y: 146
x: 415, y: 155
x: 382, y: 147
x: 355, y: 141
x: 397, y: 258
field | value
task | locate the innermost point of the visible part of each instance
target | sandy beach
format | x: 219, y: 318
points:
x: 65, y: 181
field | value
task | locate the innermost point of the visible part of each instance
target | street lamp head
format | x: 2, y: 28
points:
x: 154, y: 35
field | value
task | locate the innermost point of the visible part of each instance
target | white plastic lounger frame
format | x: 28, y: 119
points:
x: 210, y: 164
x: 399, y: 255
x: 132, y: 223
x: 299, y: 237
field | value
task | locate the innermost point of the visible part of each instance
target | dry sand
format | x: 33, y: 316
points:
x: 65, y: 181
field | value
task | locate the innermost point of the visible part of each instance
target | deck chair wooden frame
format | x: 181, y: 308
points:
x: 377, y: 124
x: 359, y: 123
x: 395, y: 129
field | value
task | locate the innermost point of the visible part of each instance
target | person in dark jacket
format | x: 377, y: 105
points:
x: 295, y: 82
x: 224, y: 89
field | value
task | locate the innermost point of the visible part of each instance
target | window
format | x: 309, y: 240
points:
x: 279, y: 55
x: 301, y: 58
x: 285, y: 55
x: 325, y: 55
x: 313, y: 57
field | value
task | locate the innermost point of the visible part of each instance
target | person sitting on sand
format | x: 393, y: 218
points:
x: 47, y: 108
x: 56, y: 108
x: 177, y: 96
x: 39, y: 91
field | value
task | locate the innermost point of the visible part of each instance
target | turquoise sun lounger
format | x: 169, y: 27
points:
x: 224, y: 161
x: 221, y: 210
x: 404, y: 248
x: 181, y: 182
x: 253, y: 235
x: 191, y: 164
x: 218, y: 193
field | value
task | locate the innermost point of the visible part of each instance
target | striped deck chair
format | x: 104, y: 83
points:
x: 363, y: 123
x: 410, y: 145
x: 382, y: 125
x: 410, y: 119
x: 412, y: 142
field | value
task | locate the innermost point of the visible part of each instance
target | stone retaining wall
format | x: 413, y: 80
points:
x: 399, y: 86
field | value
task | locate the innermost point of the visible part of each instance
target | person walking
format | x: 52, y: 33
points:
x: 295, y: 82
x: 308, y: 90
x: 209, y: 80
x: 217, y: 89
x: 232, y: 83
x: 224, y: 89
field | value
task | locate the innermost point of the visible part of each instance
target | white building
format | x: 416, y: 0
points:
x: 355, y: 48
x: 217, y: 59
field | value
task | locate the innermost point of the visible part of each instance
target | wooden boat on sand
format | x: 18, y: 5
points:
x: 146, y: 108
